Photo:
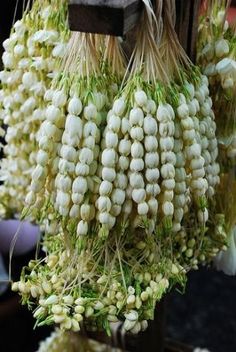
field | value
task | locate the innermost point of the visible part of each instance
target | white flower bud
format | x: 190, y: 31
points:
x: 153, y: 206
x: 179, y: 200
x: 189, y: 135
x: 108, y: 174
x: 151, y: 107
x: 225, y: 66
x: 111, y: 139
x: 163, y: 113
x: 82, y: 169
x: 194, y: 151
x: 118, y: 196
x: 167, y: 171
x: 140, y: 97
x: 138, y: 195
x: 167, y: 128
x: 132, y: 316
x: 90, y: 129
x: 74, y: 126
x: 199, y: 183
x: 150, y: 143
x: 80, y: 185
x: 86, y: 156
x: 65, y: 166
x: 183, y: 111
x: 121, y: 181
x: 119, y: 106
x: 39, y: 173
x: 53, y: 299
x: 197, y: 163
x: 42, y: 158
x: 85, y: 212
x: 136, y: 117
x: 203, y: 215
x: 103, y: 204
x: 166, y: 143
x: 75, y: 211
x: 63, y: 199
x: 129, y: 325
x: 169, y: 184
x: 168, y: 208
x: 48, y: 95
x: 137, y: 165
x: 143, y: 208
x: 124, y: 163
x: 137, y: 150
x: 152, y: 175
x: 221, y: 48
x: 151, y: 160
x: 125, y: 147
x: 52, y: 113
x: 8, y: 60
x: 69, y: 153
x: 114, y: 123
x: 136, y: 180
x: 131, y: 299
x: 168, y: 195
x: 77, y: 198
x: 19, y: 50
x: 59, y: 98
x: 75, y: 106
x: 137, y: 133
x: 82, y: 228
x: 107, y: 219
x: 168, y: 157
x: 30, y: 198
x: 89, y: 142
x: 150, y: 125
x: 109, y: 157
x: 125, y: 126
x: 105, y: 188
x: 153, y: 189
x: 64, y: 183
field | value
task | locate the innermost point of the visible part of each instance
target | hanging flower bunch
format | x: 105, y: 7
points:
x: 36, y: 44
x: 193, y: 243
x: 125, y: 173
x: 217, y: 58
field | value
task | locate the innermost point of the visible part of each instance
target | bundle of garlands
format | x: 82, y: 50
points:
x: 123, y: 179
x: 217, y: 58
x: 30, y: 61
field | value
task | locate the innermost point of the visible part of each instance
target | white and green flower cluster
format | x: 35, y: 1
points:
x: 30, y: 60
x: 123, y: 177
x: 217, y: 58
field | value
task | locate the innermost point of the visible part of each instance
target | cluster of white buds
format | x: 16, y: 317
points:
x: 111, y: 190
x: 208, y: 140
x: 192, y: 150
x: 48, y: 283
x: 28, y: 70
x: 180, y: 190
x: 166, y: 116
x: 217, y: 59
x: 137, y: 165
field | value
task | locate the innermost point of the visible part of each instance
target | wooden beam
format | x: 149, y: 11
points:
x: 114, y: 17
